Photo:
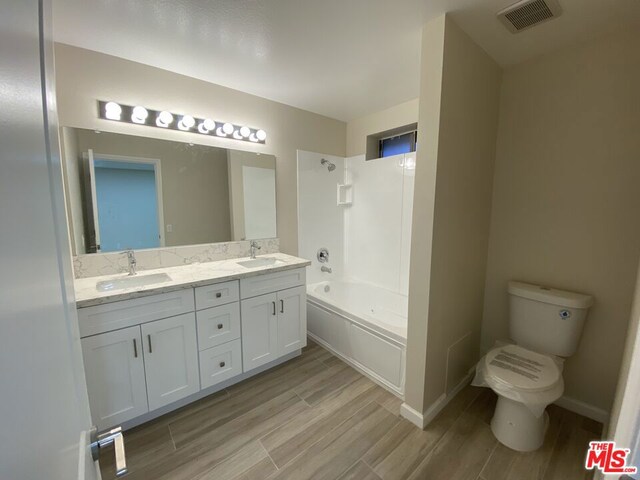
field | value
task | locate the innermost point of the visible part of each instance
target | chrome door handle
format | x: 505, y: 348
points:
x: 112, y: 436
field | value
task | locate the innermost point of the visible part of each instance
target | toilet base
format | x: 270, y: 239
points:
x: 516, y: 427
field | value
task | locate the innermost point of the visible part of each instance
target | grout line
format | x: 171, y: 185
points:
x: 553, y: 447
x: 172, y: 440
x: 493, y: 450
x: 268, y: 454
x: 328, y: 433
x: 349, y: 468
x: 369, y: 466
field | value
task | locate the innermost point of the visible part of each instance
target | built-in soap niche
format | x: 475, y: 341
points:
x: 344, y: 195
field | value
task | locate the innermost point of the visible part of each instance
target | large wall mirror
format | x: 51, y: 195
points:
x: 124, y: 191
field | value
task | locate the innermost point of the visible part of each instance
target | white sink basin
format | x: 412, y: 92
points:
x: 260, y: 262
x: 132, y: 282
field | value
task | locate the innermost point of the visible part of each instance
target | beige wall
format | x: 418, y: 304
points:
x: 195, y: 188
x: 83, y: 76
x: 566, y: 197
x: 397, y: 116
x: 452, y: 206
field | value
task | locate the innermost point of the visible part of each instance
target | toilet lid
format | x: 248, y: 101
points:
x: 521, y: 368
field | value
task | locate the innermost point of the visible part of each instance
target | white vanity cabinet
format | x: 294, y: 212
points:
x: 143, y: 355
x: 273, y: 324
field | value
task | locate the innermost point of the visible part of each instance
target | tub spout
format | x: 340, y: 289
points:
x: 325, y: 269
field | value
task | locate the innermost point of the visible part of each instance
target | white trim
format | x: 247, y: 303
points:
x: 157, y: 168
x: 584, y: 409
x: 412, y: 415
x: 421, y: 420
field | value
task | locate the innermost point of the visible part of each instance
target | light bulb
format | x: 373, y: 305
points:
x: 220, y: 133
x: 227, y: 128
x: 139, y: 114
x: 164, y: 119
x: 206, y: 126
x: 262, y: 135
x: 187, y: 122
x: 253, y: 138
x: 245, y: 131
x: 112, y: 111
x: 237, y: 135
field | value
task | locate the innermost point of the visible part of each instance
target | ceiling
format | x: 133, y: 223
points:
x: 340, y: 58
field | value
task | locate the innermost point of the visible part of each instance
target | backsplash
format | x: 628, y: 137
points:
x: 97, y: 264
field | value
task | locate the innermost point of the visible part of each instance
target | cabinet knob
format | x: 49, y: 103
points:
x: 220, y: 326
x: 218, y: 294
x: 222, y: 364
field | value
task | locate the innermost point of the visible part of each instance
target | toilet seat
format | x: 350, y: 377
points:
x: 517, y: 368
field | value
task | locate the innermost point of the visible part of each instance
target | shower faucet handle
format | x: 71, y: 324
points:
x: 323, y: 255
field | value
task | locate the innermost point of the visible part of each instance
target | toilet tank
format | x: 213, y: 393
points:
x: 546, y: 320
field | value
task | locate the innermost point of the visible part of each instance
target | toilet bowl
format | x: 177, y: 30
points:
x: 526, y: 383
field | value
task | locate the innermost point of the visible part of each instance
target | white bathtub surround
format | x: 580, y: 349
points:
x: 98, y: 264
x: 184, y: 276
x: 377, y: 232
x: 359, y: 309
x: 320, y: 219
x: 363, y: 324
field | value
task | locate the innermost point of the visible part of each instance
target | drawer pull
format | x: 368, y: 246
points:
x: 135, y: 348
x: 281, y: 306
x: 150, y: 349
x: 274, y: 307
x: 222, y: 364
x: 218, y: 294
x: 220, y: 326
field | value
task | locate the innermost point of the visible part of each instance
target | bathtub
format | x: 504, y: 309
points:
x: 364, y: 325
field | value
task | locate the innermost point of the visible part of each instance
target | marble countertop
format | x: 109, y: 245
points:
x: 184, y: 276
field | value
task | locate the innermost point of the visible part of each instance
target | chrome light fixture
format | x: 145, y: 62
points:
x: 109, y: 110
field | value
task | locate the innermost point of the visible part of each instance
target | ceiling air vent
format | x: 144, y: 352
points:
x: 527, y: 13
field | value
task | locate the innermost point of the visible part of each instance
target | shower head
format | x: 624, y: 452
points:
x: 330, y: 166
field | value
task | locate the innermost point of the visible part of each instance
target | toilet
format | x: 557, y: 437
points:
x: 545, y: 325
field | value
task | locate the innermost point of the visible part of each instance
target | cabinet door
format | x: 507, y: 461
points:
x: 171, y: 359
x: 115, y: 376
x: 259, y: 331
x: 292, y: 320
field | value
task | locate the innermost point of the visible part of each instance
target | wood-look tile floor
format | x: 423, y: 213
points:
x: 314, y: 417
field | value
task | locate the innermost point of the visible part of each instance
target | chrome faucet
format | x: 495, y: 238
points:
x: 325, y: 269
x: 131, y: 258
x: 253, y: 246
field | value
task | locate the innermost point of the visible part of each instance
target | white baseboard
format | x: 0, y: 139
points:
x: 584, y: 409
x: 421, y: 420
x: 412, y: 415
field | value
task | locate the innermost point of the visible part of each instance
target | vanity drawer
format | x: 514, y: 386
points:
x: 126, y: 313
x: 217, y: 294
x: 220, y: 363
x: 218, y: 325
x: 271, y: 282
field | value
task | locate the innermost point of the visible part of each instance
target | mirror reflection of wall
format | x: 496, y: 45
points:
x: 124, y: 191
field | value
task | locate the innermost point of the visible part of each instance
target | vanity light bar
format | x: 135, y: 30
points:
x: 186, y: 123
